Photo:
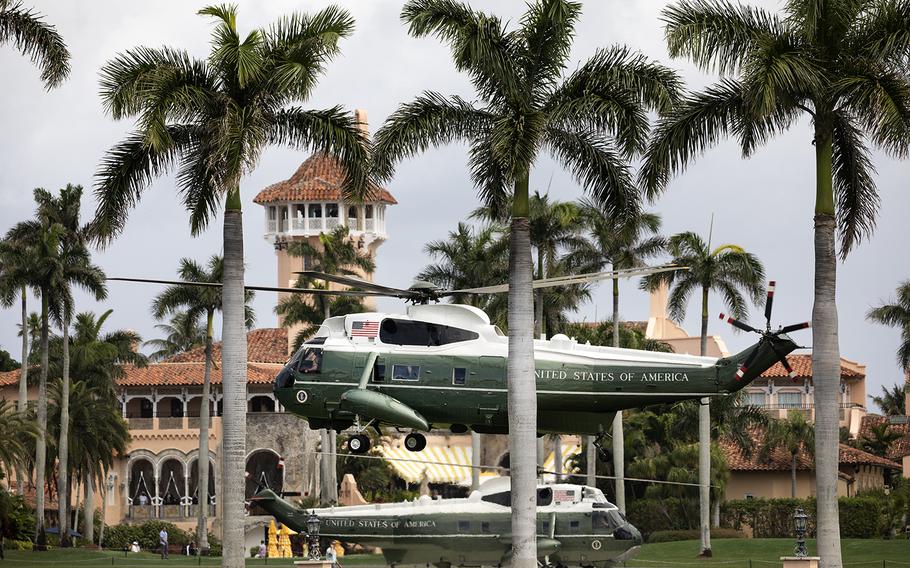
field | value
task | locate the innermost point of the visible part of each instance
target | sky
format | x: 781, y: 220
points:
x: 764, y: 204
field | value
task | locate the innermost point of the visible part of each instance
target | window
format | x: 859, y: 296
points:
x: 273, y: 214
x: 310, y: 361
x: 331, y: 210
x: 485, y: 527
x: 464, y: 526
x: 352, y: 212
x: 425, y: 334
x: 145, y: 408
x: 573, y: 525
x: 610, y: 520
x: 368, y: 211
x: 315, y: 210
x: 176, y: 408
x: 546, y: 527
x: 790, y: 399
x: 405, y: 372
x: 379, y: 373
x: 458, y: 376
x: 299, y: 211
x: 756, y: 398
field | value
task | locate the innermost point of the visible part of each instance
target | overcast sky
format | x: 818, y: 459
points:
x: 764, y: 204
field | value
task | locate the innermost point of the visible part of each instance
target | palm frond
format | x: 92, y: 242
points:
x: 429, y: 120
x: 883, y: 31
x: 880, y: 99
x: 778, y: 68
x: 717, y: 34
x: 37, y: 40
x: 547, y: 30
x: 598, y: 168
x: 854, y: 185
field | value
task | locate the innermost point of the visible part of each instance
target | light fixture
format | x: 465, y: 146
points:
x: 312, y: 531
x: 800, y: 522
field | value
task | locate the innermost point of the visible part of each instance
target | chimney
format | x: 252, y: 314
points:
x: 360, y: 115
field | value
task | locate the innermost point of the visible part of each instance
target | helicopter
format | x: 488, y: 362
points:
x: 443, y: 366
x: 576, y: 526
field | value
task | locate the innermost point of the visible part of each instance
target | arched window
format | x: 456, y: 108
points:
x: 261, y: 403
x: 264, y: 470
x: 194, y: 483
x: 171, y: 487
x: 141, y: 488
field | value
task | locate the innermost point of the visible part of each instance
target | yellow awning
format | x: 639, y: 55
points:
x: 442, y: 464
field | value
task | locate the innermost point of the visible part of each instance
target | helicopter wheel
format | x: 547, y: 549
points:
x: 359, y: 444
x: 415, y: 441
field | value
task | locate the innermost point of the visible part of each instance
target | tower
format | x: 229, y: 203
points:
x: 309, y: 203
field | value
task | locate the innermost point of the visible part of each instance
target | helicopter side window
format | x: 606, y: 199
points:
x: 379, y: 373
x: 405, y: 372
x: 464, y: 526
x: 458, y: 376
x: 421, y: 333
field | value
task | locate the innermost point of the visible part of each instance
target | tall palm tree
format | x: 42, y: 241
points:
x: 211, y: 119
x: 593, y: 121
x: 728, y: 270
x: 193, y: 303
x: 60, y: 260
x: 794, y: 435
x: 842, y: 63
x: 897, y: 315
x: 36, y: 39
x: 16, y: 428
x: 618, y: 243
x: 14, y: 279
x: 180, y: 334
x: 893, y: 401
x: 335, y: 254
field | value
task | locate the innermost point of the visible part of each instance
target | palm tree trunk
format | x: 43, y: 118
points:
x: 793, y: 477
x: 475, y: 460
x: 522, y: 393
x: 619, y: 458
x: 23, y: 381
x: 41, y: 441
x: 103, y: 499
x: 233, y: 365
x: 826, y: 355
x: 89, y: 509
x: 202, y: 462
x: 329, y: 458
x: 538, y: 298
x: 64, y: 442
x: 704, y: 444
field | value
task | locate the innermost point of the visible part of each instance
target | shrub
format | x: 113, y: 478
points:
x: 862, y: 517
x: 17, y: 544
x: 146, y: 534
x: 692, y: 534
x: 671, y: 514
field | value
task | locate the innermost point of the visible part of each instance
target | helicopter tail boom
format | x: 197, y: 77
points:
x: 737, y: 371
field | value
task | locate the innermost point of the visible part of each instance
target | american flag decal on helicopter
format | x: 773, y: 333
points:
x: 364, y: 329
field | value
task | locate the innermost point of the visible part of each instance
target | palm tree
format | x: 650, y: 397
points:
x: 794, y: 435
x: 14, y: 278
x: 728, y: 270
x: 593, y: 121
x: 98, y: 427
x: 335, y: 255
x: 844, y: 64
x: 35, y: 39
x: 59, y: 260
x: 618, y: 243
x: 897, y: 315
x: 192, y: 303
x: 212, y: 119
x: 893, y: 401
x: 16, y: 428
x: 879, y: 438
x: 180, y: 335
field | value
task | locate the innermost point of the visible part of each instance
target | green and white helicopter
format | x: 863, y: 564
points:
x: 443, y: 366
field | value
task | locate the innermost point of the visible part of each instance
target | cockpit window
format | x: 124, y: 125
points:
x: 310, y: 360
x: 609, y: 520
x: 424, y: 334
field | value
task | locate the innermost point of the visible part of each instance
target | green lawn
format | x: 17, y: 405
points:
x: 728, y: 553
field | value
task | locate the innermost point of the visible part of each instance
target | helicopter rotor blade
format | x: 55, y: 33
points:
x: 740, y: 373
x: 313, y: 291
x: 769, y: 302
x: 795, y: 327
x: 355, y: 282
x: 570, y: 280
x: 737, y: 324
x: 783, y: 361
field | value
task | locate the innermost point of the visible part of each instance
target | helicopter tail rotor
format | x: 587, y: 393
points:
x: 766, y: 336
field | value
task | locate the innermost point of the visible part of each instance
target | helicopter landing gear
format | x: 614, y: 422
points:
x: 359, y: 444
x: 415, y: 441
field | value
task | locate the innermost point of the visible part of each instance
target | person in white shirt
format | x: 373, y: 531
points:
x: 162, y: 540
x: 134, y: 547
x: 330, y: 555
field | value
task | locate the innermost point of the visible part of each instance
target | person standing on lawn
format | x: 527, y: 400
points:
x: 162, y: 540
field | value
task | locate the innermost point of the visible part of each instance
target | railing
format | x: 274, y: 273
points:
x: 298, y: 224
x: 272, y: 226
x: 331, y: 223
x: 369, y: 225
x: 171, y: 422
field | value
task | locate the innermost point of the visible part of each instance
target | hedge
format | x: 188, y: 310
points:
x: 671, y: 514
x: 146, y: 534
x: 692, y: 534
x: 860, y: 517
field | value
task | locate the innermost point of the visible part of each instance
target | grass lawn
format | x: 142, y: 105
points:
x: 728, y: 553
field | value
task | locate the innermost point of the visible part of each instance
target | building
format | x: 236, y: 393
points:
x: 157, y: 478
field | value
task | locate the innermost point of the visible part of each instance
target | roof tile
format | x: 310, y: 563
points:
x: 802, y: 364
x: 319, y: 178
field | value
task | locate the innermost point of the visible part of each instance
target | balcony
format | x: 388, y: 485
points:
x: 851, y: 413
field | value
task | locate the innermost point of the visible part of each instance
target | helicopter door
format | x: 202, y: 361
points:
x: 492, y: 375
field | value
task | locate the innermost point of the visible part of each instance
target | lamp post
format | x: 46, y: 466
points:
x: 312, y: 531
x: 800, y: 521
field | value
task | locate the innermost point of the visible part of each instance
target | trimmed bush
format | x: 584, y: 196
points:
x: 860, y: 517
x: 693, y: 534
x: 146, y: 534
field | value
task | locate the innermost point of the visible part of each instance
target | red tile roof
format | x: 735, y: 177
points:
x: 9, y: 378
x: 265, y: 345
x: 802, y: 364
x: 319, y: 178
x: 900, y: 447
x: 780, y: 459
